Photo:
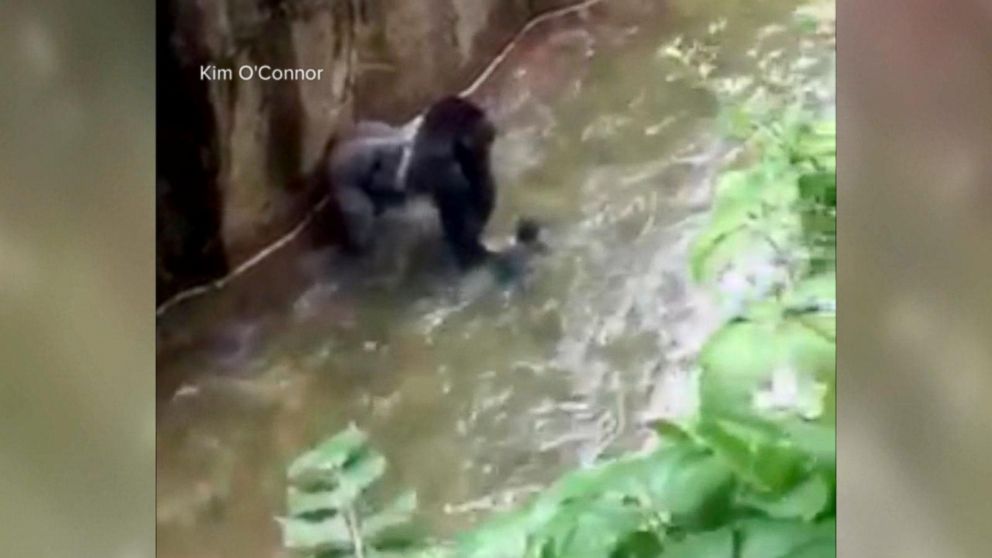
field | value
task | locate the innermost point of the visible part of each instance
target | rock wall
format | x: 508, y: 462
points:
x: 231, y: 153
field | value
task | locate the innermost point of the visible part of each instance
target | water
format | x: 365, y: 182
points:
x: 479, y: 395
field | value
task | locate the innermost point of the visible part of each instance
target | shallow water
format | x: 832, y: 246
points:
x: 478, y: 393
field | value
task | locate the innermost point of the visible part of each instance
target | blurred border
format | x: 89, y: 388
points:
x: 77, y: 411
x: 915, y: 221
x: 77, y: 278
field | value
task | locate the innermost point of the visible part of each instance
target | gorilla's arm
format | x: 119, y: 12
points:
x: 473, y: 163
x: 463, y: 214
x: 450, y: 161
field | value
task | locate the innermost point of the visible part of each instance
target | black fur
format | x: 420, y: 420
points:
x: 450, y: 163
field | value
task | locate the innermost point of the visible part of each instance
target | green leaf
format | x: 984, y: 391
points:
x: 326, y: 485
x: 641, y: 544
x: 361, y: 473
x: 344, y: 488
x: 689, y: 485
x: 300, y: 502
x: 783, y: 539
x: 759, y: 456
x: 501, y: 537
x: 805, y: 501
x: 712, y: 544
x: 329, y: 533
x: 820, y: 548
x: 380, y: 527
x: 816, y: 140
x: 775, y: 368
x: 812, y: 304
x: 591, y: 529
x: 751, y: 210
x: 735, y: 362
x: 817, y: 440
x: 329, y: 455
x: 671, y: 431
x: 819, y: 187
x: 700, y: 492
x: 658, y: 480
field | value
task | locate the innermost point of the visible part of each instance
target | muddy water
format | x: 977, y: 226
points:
x: 478, y: 392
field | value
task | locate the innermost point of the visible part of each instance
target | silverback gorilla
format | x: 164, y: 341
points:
x: 447, y: 161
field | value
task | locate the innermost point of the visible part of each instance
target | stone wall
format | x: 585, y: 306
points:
x: 231, y: 153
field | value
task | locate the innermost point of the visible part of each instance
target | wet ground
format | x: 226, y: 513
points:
x: 479, y: 393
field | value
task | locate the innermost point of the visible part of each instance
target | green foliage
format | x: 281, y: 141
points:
x: 752, y: 475
x: 780, y: 209
x: 330, y: 512
x: 621, y: 504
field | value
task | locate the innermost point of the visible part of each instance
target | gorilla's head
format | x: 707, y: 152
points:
x: 456, y: 121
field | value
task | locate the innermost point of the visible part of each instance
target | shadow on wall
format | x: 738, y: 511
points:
x: 232, y: 152
x: 188, y: 204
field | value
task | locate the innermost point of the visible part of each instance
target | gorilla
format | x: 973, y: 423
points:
x: 446, y: 161
x: 365, y: 180
x: 450, y: 163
